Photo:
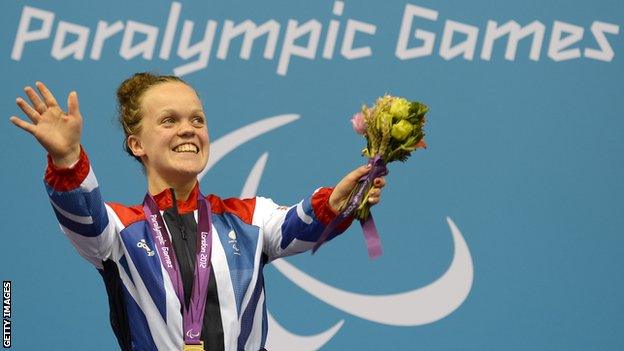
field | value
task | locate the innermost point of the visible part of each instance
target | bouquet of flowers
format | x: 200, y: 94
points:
x: 393, y: 128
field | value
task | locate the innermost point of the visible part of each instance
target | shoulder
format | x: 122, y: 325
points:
x: 242, y: 208
x: 127, y: 214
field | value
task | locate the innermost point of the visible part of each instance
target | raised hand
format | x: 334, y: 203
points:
x: 342, y: 190
x: 58, y: 132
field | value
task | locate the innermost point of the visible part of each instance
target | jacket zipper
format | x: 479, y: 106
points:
x: 182, y: 229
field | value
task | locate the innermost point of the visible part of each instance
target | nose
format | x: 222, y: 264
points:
x: 186, y: 128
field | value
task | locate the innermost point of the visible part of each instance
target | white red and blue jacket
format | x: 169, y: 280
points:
x: 145, y: 311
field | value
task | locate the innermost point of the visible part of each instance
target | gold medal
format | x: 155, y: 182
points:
x: 197, y: 347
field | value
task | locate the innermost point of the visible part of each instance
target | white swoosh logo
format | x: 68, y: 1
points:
x: 417, y: 307
x: 280, y: 339
x: 253, y: 179
x: 231, y: 141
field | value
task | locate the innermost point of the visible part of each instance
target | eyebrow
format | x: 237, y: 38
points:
x: 168, y: 110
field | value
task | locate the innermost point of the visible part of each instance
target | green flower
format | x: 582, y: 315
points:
x: 383, y: 119
x: 401, y: 130
x: 400, y: 108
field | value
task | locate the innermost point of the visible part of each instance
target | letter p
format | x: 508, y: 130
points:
x: 293, y: 32
x: 24, y: 34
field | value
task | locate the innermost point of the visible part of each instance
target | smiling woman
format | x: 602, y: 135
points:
x: 165, y: 130
x: 183, y: 271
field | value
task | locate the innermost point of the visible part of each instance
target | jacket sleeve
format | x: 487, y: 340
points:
x: 77, y: 203
x: 291, y: 230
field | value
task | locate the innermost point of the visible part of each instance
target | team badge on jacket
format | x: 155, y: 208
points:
x: 142, y: 244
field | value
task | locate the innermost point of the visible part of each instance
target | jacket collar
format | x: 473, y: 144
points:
x: 164, y: 199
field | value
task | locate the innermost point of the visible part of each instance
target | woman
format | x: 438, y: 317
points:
x: 209, y: 295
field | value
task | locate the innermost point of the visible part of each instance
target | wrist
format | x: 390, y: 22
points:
x: 67, y: 178
x: 334, y: 206
x: 67, y: 160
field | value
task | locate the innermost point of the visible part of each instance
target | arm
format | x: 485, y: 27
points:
x: 82, y: 215
x: 292, y: 230
x: 69, y: 180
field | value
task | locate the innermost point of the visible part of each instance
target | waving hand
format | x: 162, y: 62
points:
x: 57, y: 131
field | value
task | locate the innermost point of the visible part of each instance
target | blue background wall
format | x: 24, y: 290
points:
x: 525, y: 156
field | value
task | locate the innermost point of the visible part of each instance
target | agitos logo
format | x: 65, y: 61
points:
x: 420, y: 306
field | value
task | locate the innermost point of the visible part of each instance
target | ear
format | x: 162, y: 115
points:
x: 134, y: 144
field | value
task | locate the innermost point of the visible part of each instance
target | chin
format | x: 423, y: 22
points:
x: 177, y: 177
x: 190, y: 169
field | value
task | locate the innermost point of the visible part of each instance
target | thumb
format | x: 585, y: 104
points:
x: 355, y: 175
x: 72, y: 104
x: 361, y: 171
x: 344, y: 187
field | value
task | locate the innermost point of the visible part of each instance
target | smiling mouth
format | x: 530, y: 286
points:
x: 192, y: 148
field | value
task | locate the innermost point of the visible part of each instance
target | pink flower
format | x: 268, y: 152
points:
x: 421, y: 144
x: 359, y: 123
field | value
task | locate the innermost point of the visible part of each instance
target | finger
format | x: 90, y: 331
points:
x: 34, y: 98
x: 30, y: 128
x: 349, y: 181
x: 357, y: 173
x: 30, y: 112
x: 373, y: 200
x: 374, y: 192
x: 48, y: 98
x: 72, y: 104
x: 379, y: 182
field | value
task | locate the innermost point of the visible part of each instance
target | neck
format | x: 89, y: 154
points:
x: 156, y: 185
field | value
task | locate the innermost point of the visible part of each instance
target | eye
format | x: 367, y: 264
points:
x: 167, y: 121
x: 198, y: 120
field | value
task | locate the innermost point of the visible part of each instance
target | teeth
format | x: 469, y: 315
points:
x: 186, y: 148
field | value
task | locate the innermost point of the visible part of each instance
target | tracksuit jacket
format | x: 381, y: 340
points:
x: 145, y: 312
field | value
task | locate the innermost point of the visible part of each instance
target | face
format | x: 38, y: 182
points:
x: 173, y: 142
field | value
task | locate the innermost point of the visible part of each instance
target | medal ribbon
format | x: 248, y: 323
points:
x: 193, y: 315
x: 371, y: 236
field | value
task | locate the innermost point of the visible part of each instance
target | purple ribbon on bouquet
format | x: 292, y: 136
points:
x: 371, y: 236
